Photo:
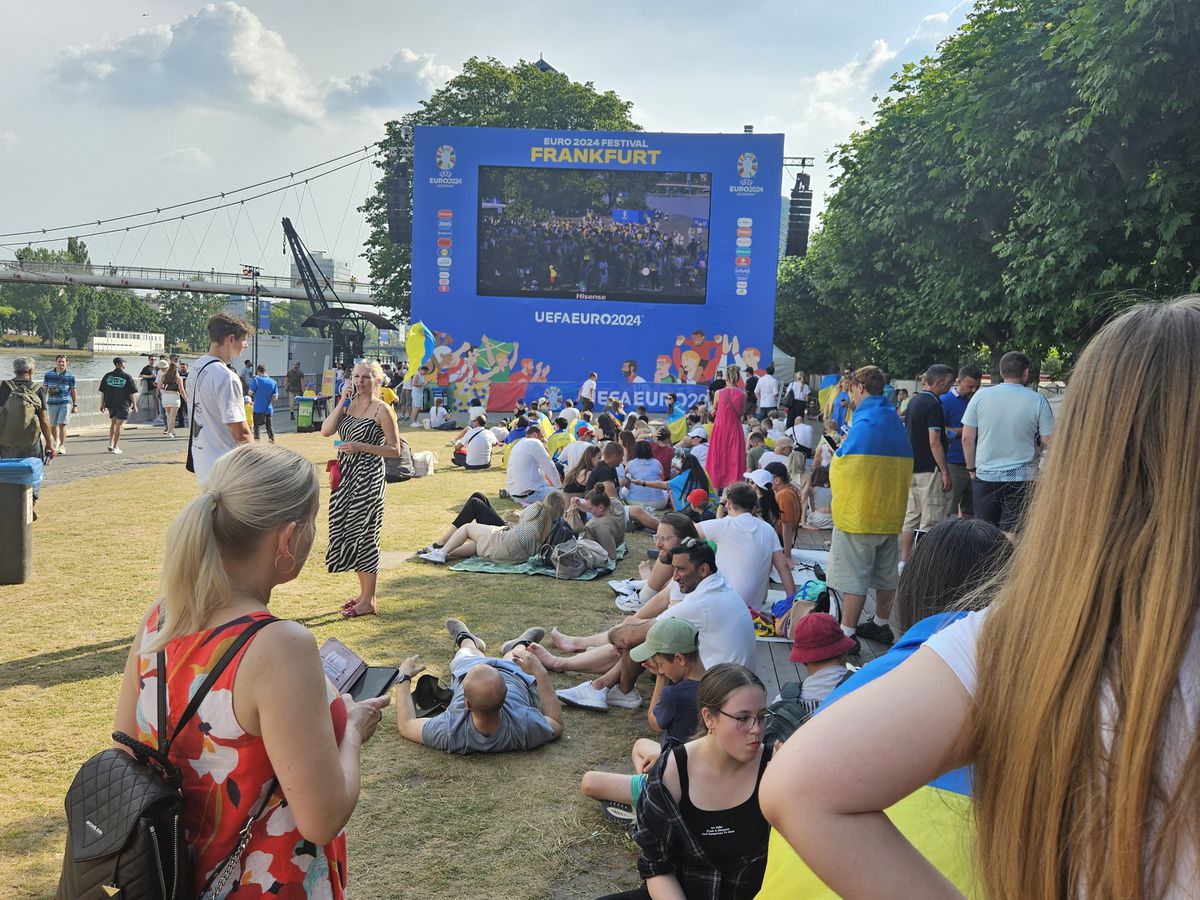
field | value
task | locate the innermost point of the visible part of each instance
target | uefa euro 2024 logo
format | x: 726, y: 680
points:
x: 445, y: 157
x: 747, y: 165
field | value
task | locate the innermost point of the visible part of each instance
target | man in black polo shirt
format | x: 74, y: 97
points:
x: 929, y: 492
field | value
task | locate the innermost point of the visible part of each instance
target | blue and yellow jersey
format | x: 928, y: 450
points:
x: 871, y: 472
x: 936, y: 818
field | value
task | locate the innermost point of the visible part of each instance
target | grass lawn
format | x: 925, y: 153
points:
x: 428, y: 825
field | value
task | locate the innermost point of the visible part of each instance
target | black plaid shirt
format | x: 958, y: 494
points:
x: 669, y: 847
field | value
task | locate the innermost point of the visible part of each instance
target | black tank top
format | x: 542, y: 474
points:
x: 727, y: 835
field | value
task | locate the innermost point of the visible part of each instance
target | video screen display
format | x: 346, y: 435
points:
x: 593, y: 234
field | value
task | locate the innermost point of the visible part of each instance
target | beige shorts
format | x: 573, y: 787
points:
x: 859, y: 562
x: 927, y: 502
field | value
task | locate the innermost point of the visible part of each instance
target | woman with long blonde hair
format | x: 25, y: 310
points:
x: 1076, y: 696
x: 368, y: 431
x: 272, y: 736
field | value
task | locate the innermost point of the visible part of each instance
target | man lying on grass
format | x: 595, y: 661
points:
x: 498, y: 705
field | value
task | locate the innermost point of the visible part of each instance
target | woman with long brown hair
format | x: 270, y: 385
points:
x: 1076, y: 696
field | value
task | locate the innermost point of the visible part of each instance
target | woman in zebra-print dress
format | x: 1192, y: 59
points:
x: 367, y: 427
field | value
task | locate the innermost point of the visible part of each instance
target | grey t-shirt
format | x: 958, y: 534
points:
x: 522, y: 725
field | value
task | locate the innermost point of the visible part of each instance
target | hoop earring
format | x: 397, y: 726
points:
x: 291, y: 569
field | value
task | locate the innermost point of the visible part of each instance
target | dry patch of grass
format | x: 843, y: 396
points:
x: 429, y: 825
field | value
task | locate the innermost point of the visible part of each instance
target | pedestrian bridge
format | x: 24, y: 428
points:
x: 15, y: 271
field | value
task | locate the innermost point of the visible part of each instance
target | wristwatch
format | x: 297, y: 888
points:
x: 970, y: 468
x: 404, y: 676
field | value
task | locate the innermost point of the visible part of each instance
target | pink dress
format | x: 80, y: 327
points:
x: 727, y: 446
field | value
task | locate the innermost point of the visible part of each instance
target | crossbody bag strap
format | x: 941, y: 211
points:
x: 252, y: 629
x: 192, y: 428
x: 163, y: 743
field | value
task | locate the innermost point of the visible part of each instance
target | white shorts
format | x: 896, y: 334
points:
x: 170, y: 399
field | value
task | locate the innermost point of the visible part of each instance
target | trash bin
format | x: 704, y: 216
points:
x: 17, y: 478
x: 304, y: 414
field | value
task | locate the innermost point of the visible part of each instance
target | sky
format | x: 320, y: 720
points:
x: 114, y: 107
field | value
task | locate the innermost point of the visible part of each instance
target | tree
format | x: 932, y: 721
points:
x: 185, y: 317
x: 286, y: 316
x: 486, y: 93
x: 47, y: 309
x: 1019, y: 187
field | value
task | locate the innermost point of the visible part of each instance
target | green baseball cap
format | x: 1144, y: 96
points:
x: 667, y: 636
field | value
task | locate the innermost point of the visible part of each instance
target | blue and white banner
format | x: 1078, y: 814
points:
x: 541, y: 256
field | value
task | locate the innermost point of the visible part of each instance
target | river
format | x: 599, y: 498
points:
x: 79, y: 366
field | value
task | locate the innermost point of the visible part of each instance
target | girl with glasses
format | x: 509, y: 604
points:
x: 699, y: 827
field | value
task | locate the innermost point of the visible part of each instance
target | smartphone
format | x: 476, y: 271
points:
x: 652, y: 553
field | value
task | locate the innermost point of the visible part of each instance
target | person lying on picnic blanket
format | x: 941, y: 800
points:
x: 498, y: 704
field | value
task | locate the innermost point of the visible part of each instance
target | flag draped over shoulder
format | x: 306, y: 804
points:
x: 936, y: 818
x: 872, y: 471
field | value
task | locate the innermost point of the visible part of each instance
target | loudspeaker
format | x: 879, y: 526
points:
x: 799, y: 217
x: 399, y: 204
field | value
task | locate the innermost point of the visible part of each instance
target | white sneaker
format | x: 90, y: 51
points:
x: 109, y: 448
x: 622, y: 586
x: 632, y: 700
x: 61, y: 450
x: 433, y: 556
x: 584, y: 695
x: 117, y: 450
x: 630, y: 603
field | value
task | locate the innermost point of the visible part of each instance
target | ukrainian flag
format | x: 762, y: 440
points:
x: 936, y: 819
x: 872, y: 471
x: 829, y: 387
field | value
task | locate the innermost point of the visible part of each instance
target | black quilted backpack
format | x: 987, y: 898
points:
x: 125, y: 813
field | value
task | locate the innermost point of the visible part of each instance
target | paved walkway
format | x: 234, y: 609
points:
x: 144, y: 445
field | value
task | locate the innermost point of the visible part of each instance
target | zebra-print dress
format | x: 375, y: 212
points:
x: 356, y: 507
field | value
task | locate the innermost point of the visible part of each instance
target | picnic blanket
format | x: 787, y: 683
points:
x: 531, y: 567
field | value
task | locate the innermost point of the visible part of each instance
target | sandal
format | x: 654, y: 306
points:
x: 354, y: 613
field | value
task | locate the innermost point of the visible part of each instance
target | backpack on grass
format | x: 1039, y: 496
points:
x: 574, y: 557
x: 560, y: 533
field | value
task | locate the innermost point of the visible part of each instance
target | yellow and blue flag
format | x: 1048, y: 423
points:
x: 418, y: 345
x: 871, y: 471
x: 829, y: 387
x: 936, y: 818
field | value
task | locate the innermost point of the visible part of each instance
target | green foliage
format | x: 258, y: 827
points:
x: 286, y: 316
x: 486, y: 93
x: 1021, y: 186
x: 185, y: 317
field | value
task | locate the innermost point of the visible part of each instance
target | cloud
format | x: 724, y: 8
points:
x: 936, y: 26
x: 409, y: 77
x: 224, y: 58
x: 190, y: 158
x: 840, y: 97
x: 221, y: 57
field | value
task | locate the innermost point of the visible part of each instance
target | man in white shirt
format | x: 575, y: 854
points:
x: 783, y: 450
x: 573, y: 452
x: 699, y: 594
x: 218, y: 410
x: 476, y: 445
x: 587, y: 393
x: 767, y: 393
x: 531, y: 472
x: 569, y: 412
x: 747, y: 547
x: 804, y: 435
x: 698, y: 443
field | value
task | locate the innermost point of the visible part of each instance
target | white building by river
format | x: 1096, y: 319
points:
x: 134, y: 343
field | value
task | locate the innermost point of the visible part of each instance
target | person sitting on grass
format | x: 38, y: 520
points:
x: 654, y: 574
x: 757, y: 447
x: 576, y: 478
x: 671, y: 652
x: 699, y: 828
x: 701, y: 596
x: 691, y: 477
x: 498, y: 704
x: 473, y: 448
x: 501, y: 543
x: 607, y: 523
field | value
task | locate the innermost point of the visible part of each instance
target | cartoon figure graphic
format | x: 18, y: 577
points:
x: 662, y: 370
x: 751, y: 357
x: 629, y: 371
x: 707, y: 357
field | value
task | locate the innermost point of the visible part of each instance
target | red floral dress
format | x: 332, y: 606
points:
x: 226, y: 772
